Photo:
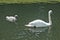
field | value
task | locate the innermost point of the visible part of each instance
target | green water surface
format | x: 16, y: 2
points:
x: 27, y: 13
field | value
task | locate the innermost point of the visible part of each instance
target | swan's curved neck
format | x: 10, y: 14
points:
x: 49, y: 15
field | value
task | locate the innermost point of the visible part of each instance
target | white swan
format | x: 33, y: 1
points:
x: 40, y: 23
x: 11, y: 18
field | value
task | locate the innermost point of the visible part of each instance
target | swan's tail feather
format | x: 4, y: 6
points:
x: 29, y: 25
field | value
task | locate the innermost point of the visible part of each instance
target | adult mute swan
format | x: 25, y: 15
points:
x: 12, y: 18
x: 41, y: 23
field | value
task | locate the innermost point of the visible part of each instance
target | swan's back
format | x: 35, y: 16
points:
x: 38, y: 23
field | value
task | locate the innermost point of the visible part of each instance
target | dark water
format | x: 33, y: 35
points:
x: 27, y: 13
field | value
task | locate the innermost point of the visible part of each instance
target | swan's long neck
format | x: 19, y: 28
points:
x: 49, y: 16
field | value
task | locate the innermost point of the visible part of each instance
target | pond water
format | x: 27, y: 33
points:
x: 27, y: 13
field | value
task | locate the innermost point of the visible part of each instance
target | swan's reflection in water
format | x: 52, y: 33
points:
x: 38, y: 30
x: 31, y: 34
